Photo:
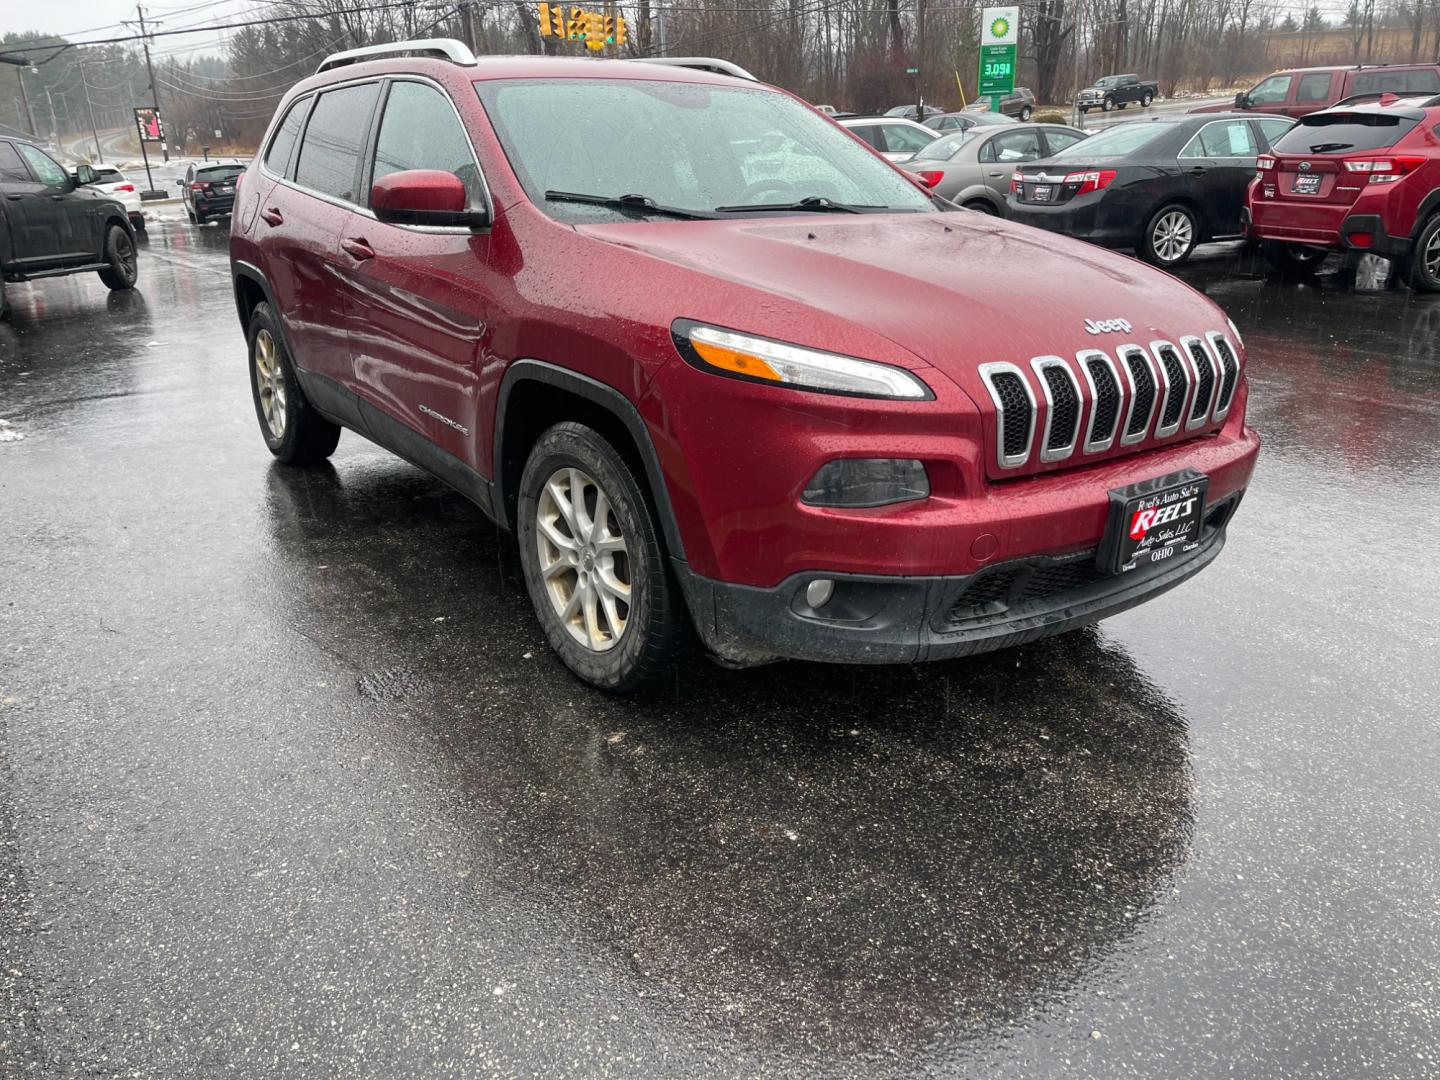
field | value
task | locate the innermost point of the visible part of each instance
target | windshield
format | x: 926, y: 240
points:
x: 1113, y: 142
x: 1341, y: 132
x: 943, y: 149
x: 683, y: 146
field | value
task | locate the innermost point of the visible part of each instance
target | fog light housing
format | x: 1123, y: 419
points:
x: 861, y: 482
x: 819, y: 591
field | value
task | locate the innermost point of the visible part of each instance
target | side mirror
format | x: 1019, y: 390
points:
x: 424, y: 197
x: 1242, y: 100
x: 84, y: 174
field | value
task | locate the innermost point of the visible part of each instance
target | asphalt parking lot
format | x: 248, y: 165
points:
x: 290, y: 784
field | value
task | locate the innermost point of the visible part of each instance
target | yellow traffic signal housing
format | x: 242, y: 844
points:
x: 609, y: 29
x: 552, y: 20
x: 620, y: 30
x: 575, y: 29
x: 594, y: 30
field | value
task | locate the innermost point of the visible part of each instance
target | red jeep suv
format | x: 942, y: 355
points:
x: 1364, y: 176
x: 714, y: 360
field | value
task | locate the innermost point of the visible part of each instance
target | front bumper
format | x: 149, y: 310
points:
x: 897, y: 620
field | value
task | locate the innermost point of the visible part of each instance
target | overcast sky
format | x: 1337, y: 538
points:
x: 89, y: 20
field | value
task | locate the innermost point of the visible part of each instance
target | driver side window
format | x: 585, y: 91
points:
x: 421, y: 131
x: 1272, y: 91
x: 50, y: 173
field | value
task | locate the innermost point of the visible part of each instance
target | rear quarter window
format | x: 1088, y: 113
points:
x: 11, y: 167
x: 1344, y: 133
x: 282, y: 145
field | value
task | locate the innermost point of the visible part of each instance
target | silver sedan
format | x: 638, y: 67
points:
x: 973, y: 167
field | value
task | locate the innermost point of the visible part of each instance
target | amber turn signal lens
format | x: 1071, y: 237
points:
x: 732, y: 360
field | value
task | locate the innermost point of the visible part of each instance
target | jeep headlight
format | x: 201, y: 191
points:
x: 740, y: 356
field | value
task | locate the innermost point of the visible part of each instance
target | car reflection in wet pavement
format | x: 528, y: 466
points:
x: 292, y: 785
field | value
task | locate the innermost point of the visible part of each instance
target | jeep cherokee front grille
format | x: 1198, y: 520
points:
x: 1062, y: 410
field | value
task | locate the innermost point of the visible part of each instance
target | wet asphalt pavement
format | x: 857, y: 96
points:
x: 290, y: 785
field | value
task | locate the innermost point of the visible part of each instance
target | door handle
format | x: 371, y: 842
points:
x: 357, y: 248
x: 1197, y: 171
x: 272, y: 216
x: 13, y: 198
x: 57, y: 198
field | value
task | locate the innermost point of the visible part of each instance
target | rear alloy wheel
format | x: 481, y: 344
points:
x: 1170, y: 236
x: 1145, y: 101
x: 1025, y: 113
x: 1292, y: 258
x: 295, y: 433
x: 122, y: 267
x: 1425, y: 259
x: 593, y: 561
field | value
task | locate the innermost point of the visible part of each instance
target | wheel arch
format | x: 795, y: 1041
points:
x: 981, y: 193
x: 533, y: 396
x: 1189, y: 202
x: 1428, y: 206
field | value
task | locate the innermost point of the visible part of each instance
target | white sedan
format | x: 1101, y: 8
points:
x: 113, y: 183
x: 894, y: 136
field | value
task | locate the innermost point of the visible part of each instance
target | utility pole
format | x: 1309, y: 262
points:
x: 467, y: 22
x: 660, y: 39
x: 54, y: 127
x: 25, y: 96
x: 150, y: 70
x: 85, y: 82
x: 919, y: 61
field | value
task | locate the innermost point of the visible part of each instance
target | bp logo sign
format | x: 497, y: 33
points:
x: 999, y: 28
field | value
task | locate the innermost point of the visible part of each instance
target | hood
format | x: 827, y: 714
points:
x: 953, y: 290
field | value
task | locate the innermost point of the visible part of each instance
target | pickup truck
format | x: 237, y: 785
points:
x: 1114, y: 91
x: 1296, y: 92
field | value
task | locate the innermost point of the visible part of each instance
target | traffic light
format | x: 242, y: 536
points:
x: 575, y: 28
x: 594, y: 31
x: 609, y: 30
x: 620, y: 30
x: 552, y: 20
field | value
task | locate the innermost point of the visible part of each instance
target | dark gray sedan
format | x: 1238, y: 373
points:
x: 973, y: 168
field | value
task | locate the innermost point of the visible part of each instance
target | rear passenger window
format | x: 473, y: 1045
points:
x: 1314, y: 88
x: 330, y: 148
x: 11, y: 167
x: 421, y: 131
x: 282, y: 146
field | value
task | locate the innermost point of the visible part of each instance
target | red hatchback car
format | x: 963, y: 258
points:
x: 1362, y: 176
x: 716, y: 361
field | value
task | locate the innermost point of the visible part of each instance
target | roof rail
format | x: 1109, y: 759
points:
x: 701, y: 63
x: 444, y: 48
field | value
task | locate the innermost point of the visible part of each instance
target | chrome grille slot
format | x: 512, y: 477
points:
x: 1062, y: 407
x: 1014, y: 413
x: 1204, y: 382
x: 1176, y: 379
x: 1142, y: 394
x: 1106, y: 397
x: 1230, y: 372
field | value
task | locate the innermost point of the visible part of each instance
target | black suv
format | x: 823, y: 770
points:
x: 52, y: 223
x: 209, y: 190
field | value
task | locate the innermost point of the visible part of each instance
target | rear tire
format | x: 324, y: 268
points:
x: 599, y: 579
x: 1146, y: 100
x: 982, y: 206
x: 295, y: 433
x: 1170, y: 236
x: 1025, y: 114
x: 124, y: 266
x: 198, y: 218
x: 190, y: 214
x: 1424, y: 260
x: 1292, y: 258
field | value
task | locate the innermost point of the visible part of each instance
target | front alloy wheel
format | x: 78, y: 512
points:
x: 584, y: 559
x: 1170, y: 237
x: 594, y: 561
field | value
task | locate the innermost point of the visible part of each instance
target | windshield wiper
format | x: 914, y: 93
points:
x: 1330, y: 147
x: 639, y: 204
x: 816, y: 203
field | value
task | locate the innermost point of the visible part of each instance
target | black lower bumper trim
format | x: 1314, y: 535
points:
x: 898, y: 620
x: 1381, y: 242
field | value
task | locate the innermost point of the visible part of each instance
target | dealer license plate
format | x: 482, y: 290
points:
x: 1153, y: 521
x: 225, y: 189
x: 1306, y: 184
x: 1041, y: 193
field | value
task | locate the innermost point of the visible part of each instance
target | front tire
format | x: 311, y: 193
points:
x: 1424, y: 261
x: 594, y: 563
x: 1170, y: 236
x: 295, y: 433
x: 123, y: 267
x: 1292, y: 258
